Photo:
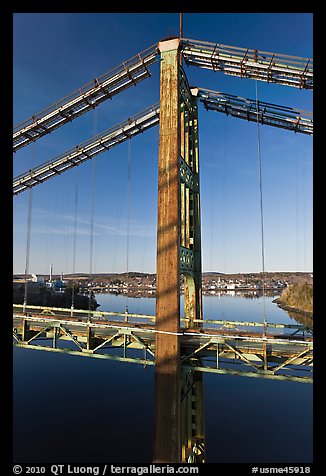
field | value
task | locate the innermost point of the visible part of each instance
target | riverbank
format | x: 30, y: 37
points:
x: 47, y: 297
x: 298, y: 299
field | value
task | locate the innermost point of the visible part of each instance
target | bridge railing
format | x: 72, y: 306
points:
x: 249, y: 63
x: 204, y: 350
x: 88, y: 149
x: 251, y: 110
x: 20, y: 310
x: 84, y: 99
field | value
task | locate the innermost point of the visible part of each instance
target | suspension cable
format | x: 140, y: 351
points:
x: 304, y: 217
x: 91, y: 241
x: 128, y: 224
x: 296, y: 199
x: 29, y: 230
x: 225, y: 194
x: 74, y: 245
x: 28, y: 244
x: 261, y: 208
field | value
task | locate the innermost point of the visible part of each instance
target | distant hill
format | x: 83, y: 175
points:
x: 290, y: 276
x: 213, y: 273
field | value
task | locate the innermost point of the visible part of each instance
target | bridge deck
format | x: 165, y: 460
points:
x: 223, y: 349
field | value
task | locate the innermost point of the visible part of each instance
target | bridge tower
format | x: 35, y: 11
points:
x: 179, y: 418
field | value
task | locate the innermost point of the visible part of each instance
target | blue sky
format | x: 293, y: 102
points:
x: 54, y: 54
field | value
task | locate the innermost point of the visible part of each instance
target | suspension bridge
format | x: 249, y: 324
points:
x: 182, y: 345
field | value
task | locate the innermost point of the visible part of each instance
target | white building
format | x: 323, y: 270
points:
x: 37, y: 279
x: 230, y: 286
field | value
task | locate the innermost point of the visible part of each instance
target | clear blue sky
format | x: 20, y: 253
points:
x: 56, y: 53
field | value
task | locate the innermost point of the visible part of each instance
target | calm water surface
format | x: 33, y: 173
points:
x: 75, y: 409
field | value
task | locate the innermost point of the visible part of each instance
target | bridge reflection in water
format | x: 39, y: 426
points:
x: 220, y: 347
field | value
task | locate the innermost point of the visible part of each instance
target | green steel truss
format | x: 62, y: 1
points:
x: 131, y: 338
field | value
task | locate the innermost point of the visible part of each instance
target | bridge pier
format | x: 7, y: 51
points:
x: 178, y: 251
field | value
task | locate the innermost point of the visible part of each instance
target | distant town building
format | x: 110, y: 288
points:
x: 58, y: 285
x: 37, y: 279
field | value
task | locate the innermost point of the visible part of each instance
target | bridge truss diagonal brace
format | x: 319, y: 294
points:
x: 195, y: 352
x: 291, y: 359
x: 15, y: 336
x: 143, y: 344
x: 71, y: 337
x: 55, y: 326
x: 35, y: 336
x: 242, y: 357
x: 106, y: 341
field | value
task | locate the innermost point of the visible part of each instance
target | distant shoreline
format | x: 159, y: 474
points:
x: 214, y: 274
x: 293, y: 309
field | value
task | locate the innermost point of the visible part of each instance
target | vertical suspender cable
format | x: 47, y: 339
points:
x: 296, y: 200
x: 296, y: 203
x: 128, y: 224
x: 28, y: 237
x: 304, y: 218
x: 74, y: 246
x: 224, y: 188
x: 91, y: 241
x: 261, y: 208
x: 28, y: 243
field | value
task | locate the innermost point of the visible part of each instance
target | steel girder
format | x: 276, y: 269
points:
x: 127, y: 74
x: 258, y: 111
x: 242, y: 62
x: 88, y: 149
x: 248, y: 63
x: 209, y: 350
x: 242, y: 108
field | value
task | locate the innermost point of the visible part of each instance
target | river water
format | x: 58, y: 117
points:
x: 74, y: 409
